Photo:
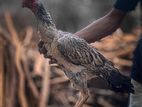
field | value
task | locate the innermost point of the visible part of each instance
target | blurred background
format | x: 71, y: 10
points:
x: 27, y: 80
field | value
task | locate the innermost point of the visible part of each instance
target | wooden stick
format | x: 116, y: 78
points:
x: 45, y: 86
x: 104, y: 103
x: 5, y: 35
x: 1, y: 75
x: 124, y: 52
x: 29, y: 79
x: 122, y: 62
x: 11, y: 28
x: 59, y: 80
x: 38, y: 64
x: 12, y: 79
x: 21, y: 91
x: 28, y: 37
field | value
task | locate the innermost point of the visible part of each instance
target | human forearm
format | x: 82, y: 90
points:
x: 102, y: 27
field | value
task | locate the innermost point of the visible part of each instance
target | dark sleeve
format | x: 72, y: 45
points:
x: 126, y: 5
x: 136, y: 73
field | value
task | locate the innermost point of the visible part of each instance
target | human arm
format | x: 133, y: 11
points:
x: 102, y: 27
x: 109, y: 23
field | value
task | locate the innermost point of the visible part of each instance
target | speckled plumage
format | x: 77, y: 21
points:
x: 79, y: 52
x: 79, y: 60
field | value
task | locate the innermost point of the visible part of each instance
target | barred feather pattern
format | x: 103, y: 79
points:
x: 79, y: 52
x: 68, y: 48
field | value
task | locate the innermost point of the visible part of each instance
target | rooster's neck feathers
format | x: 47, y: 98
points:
x: 43, y: 16
x: 46, y: 26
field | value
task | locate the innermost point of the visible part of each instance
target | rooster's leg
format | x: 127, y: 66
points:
x: 82, y: 98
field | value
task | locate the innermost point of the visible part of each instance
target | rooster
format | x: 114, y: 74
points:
x: 79, y: 61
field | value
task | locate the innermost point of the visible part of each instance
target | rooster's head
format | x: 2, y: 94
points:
x: 32, y: 4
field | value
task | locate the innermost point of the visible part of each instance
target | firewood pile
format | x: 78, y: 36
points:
x: 27, y: 79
